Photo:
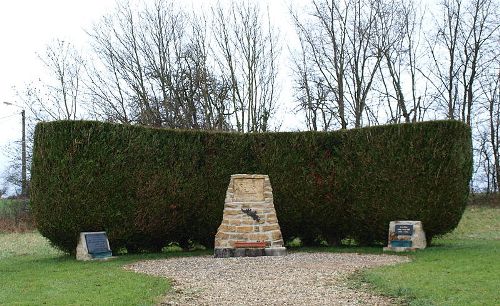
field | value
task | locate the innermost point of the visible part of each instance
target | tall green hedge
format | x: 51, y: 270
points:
x: 147, y: 186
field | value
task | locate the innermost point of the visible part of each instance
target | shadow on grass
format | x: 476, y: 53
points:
x: 376, y: 250
x: 116, y: 260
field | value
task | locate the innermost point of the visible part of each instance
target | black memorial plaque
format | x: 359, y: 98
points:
x: 404, y: 229
x: 97, y: 243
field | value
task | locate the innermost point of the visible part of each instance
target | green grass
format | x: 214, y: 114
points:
x: 17, y: 245
x: 477, y: 223
x: 33, y: 273
x: 462, y: 268
x: 5, y: 203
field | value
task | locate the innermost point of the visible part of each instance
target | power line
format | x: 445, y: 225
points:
x: 8, y: 116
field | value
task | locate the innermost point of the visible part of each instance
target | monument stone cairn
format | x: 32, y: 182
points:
x: 249, y: 224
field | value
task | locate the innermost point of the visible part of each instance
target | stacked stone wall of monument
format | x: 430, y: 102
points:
x: 249, y: 213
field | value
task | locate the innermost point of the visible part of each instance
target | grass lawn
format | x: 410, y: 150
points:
x: 33, y: 273
x: 462, y: 268
x: 5, y: 202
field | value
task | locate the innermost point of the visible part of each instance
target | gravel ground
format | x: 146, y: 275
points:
x: 295, y: 279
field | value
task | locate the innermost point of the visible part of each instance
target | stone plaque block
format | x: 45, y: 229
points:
x: 93, y: 245
x: 406, y: 236
x: 248, y: 189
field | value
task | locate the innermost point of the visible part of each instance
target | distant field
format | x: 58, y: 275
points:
x: 4, y: 203
x: 485, y: 199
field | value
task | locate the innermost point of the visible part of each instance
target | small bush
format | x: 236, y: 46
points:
x: 15, y: 216
x: 147, y: 187
x: 485, y: 199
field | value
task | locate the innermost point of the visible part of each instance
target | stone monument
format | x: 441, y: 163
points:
x: 93, y: 245
x: 249, y: 224
x: 406, y: 236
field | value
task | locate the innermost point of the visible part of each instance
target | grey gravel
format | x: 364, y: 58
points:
x: 295, y: 279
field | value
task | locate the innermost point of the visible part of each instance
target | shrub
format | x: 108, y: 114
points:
x: 15, y: 216
x: 147, y: 187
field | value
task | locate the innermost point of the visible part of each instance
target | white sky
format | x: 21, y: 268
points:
x: 27, y: 26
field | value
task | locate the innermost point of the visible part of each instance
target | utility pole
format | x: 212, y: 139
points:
x: 24, y: 185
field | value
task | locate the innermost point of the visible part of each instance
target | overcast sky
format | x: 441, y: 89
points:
x: 27, y: 26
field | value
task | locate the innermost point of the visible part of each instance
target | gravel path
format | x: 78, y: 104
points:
x: 295, y: 279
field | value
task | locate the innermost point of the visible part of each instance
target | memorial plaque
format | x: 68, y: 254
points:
x: 401, y: 244
x: 403, y: 229
x: 97, y: 243
x: 248, y: 190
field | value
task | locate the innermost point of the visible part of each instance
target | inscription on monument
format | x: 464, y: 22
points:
x: 248, y: 190
x: 97, y: 243
x: 403, y: 229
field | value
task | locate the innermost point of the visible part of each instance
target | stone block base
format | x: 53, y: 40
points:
x: 398, y: 249
x: 248, y: 252
x: 279, y: 251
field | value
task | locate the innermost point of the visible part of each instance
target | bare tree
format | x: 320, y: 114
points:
x: 480, y: 33
x: 312, y: 91
x: 466, y: 33
x: 346, y: 42
x: 58, y: 94
x: 402, y: 59
x: 490, y: 137
x: 247, y: 51
x: 117, y: 42
x: 322, y: 64
x: 154, y: 69
x: 445, y: 75
x: 3, y: 191
x: 367, y: 44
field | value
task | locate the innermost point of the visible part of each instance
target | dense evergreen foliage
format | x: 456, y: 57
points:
x: 147, y: 187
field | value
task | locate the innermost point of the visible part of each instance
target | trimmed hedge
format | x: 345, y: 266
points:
x: 147, y: 187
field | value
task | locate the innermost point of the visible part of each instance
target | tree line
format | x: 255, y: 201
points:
x: 356, y: 63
